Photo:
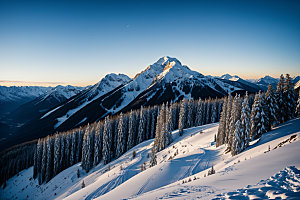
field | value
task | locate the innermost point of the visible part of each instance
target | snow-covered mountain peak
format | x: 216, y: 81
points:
x: 268, y: 79
x: 164, y: 60
x: 230, y: 77
x: 109, y: 82
x: 174, y: 69
x: 61, y: 92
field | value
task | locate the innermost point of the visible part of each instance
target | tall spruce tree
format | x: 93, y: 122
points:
x: 245, y: 123
x: 98, y: 143
x: 131, y: 130
x: 121, y: 136
x: 297, y: 113
x: 44, y: 161
x: 199, y: 113
x: 272, y: 106
x: 235, y: 116
x: 49, y: 165
x: 289, y: 99
x: 258, y: 117
x: 228, y: 114
x: 238, y: 140
x: 222, y: 126
x: 182, y: 116
x: 107, y: 138
x: 141, y: 127
x: 280, y: 100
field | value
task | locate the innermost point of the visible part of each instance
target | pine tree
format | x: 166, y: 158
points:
x: 238, y: 141
x: 235, y: 116
x: 131, y: 131
x: 39, y: 152
x: 121, y: 137
x: 297, y: 113
x: 182, y: 116
x: 189, y: 116
x: 272, y: 106
x: 208, y: 112
x: 289, y: 99
x: 222, y: 126
x: 228, y: 114
x: 265, y: 121
x: 199, y: 113
x: 141, y: 127
x: 280, y: 100
x: 80, y: 134
x: 258, y: 117
x: 153, y: 122
x: 220, y: 106
x: 62, y: 152
x: 245, y: 123
x: 49, y: 166
x: 106, y: 151
x: 73, y: 148
x: 148, y: 123
x: 153, y: 159
x: 214, y: 113
x: 67, y: 150
x: 84, y: 160
x: 98, y: 143
x: 169, y: 125
x: 44, y: 161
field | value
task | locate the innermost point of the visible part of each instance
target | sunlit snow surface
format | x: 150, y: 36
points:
x: 283, y: 185
x: 179, y: 177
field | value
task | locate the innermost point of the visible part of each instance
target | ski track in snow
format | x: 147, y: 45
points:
x: 125, y: 175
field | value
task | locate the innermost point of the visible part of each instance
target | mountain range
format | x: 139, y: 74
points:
x: 63, y: 108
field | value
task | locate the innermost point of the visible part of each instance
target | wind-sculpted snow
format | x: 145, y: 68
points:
x: 283, y: 185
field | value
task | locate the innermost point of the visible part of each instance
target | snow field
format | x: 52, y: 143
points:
x: 180, y: 171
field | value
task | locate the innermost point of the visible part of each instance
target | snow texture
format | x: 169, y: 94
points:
x: 179, y: 172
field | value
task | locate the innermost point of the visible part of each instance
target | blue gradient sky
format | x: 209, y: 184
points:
x: 78, y: 42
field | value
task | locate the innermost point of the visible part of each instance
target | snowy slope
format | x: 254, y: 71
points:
x: 195, y: 153
x: 44, y: 102
x: 60, y: 93
x: 107, y: 84
x: 247, y: 168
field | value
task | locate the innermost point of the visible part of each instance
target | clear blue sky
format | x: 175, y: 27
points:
x: 78, y: 42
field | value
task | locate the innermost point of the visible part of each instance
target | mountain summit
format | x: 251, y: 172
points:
x: 165, y: 80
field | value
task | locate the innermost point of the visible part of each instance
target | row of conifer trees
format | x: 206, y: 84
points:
x: 243, y: 120
x: 16, y: 159
x: 110, y: 138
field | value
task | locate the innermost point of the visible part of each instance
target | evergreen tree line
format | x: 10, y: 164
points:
x: 243, y: 119
x: 110, y: 138
x: 16, y: 159
x: 185, y: 114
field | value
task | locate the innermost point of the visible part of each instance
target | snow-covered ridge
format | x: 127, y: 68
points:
x: 18, y: 93
x: 141, y: 82
x: 107, y: 84
x: 173, y: 70
x: 60, y: 91
x: 229, y: 77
